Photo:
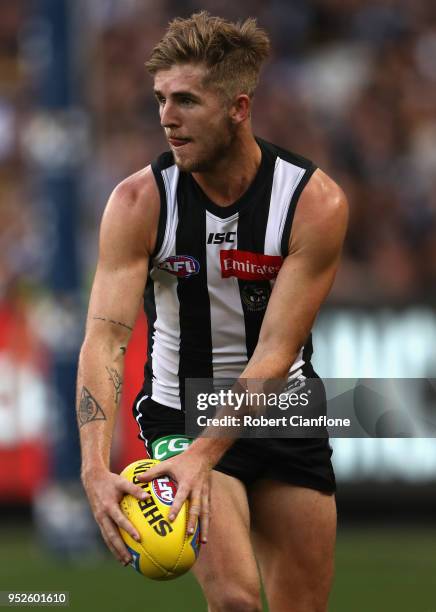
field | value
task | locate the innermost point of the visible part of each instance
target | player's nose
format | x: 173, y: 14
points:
x: 168, y: 116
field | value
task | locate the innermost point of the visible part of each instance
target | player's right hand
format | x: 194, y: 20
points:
x: 105, y: 490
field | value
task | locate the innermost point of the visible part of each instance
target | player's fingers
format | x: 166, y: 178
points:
x: 194, y: 510
x: 112, y: 548
x: 113, y: 539
x: 179, y: 499
x: 128, y: 487
x: 121, y: 520
x: 153, y: 472
x: 205, y: 515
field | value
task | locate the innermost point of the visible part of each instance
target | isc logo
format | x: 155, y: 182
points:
x: 180, y: 265
x: 220, y: 237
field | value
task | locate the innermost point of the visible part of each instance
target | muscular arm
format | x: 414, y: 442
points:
x: 127, y: 236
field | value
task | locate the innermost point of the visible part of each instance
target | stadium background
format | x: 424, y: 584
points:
x: 352, y: 85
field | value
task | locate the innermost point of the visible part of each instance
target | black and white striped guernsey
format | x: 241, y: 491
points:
x: 213, y: 270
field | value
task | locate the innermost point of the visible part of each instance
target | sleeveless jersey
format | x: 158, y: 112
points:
x: 212, y: 273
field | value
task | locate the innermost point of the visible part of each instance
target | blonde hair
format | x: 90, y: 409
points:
x: 232, y: 52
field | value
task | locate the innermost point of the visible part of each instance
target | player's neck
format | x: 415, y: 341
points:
x: 232, y: 176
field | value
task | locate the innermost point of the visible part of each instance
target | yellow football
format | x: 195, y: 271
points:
x: 166, y: 550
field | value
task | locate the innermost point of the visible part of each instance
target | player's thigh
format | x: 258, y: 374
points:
x: 294, y: 533
x: 226, y: 567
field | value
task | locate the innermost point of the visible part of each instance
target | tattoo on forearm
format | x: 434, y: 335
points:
x: 114, y: 322
x: 116, y: 381
x: 89, y: 409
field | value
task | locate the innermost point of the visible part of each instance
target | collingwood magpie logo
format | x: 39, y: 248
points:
x: 255, y: 297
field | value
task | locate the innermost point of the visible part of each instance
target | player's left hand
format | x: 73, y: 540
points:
x: 191, y: 470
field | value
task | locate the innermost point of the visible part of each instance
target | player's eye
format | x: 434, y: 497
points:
x: 187, y: 101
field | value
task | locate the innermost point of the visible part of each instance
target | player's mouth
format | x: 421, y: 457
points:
x: 178, y: 142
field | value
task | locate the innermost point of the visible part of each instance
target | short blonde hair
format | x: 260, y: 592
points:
x: 232, y: 52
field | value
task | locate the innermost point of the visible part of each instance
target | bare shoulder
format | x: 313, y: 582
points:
x: 131, y: 216
x: 321, y: 215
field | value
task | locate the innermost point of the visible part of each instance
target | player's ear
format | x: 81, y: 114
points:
x: 240, y: 109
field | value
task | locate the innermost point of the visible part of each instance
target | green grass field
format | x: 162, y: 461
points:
x: 377, y: 570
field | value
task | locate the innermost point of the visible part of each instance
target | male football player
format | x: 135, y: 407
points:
x: 236, y: 243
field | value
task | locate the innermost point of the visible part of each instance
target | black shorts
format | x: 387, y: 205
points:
x: 304, y: 462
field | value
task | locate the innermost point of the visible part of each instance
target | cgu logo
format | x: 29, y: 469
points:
x: 165, y: 489
x: 182, y: 266
x: 220, y: 237
x: 167, y: 448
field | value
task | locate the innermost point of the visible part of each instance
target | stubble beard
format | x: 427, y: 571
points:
x: 213, y: 153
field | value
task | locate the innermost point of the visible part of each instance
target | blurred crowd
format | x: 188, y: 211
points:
x: 351, y: 84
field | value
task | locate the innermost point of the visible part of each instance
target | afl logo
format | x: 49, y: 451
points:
x: 165, y: 489
x: 182, y: 266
